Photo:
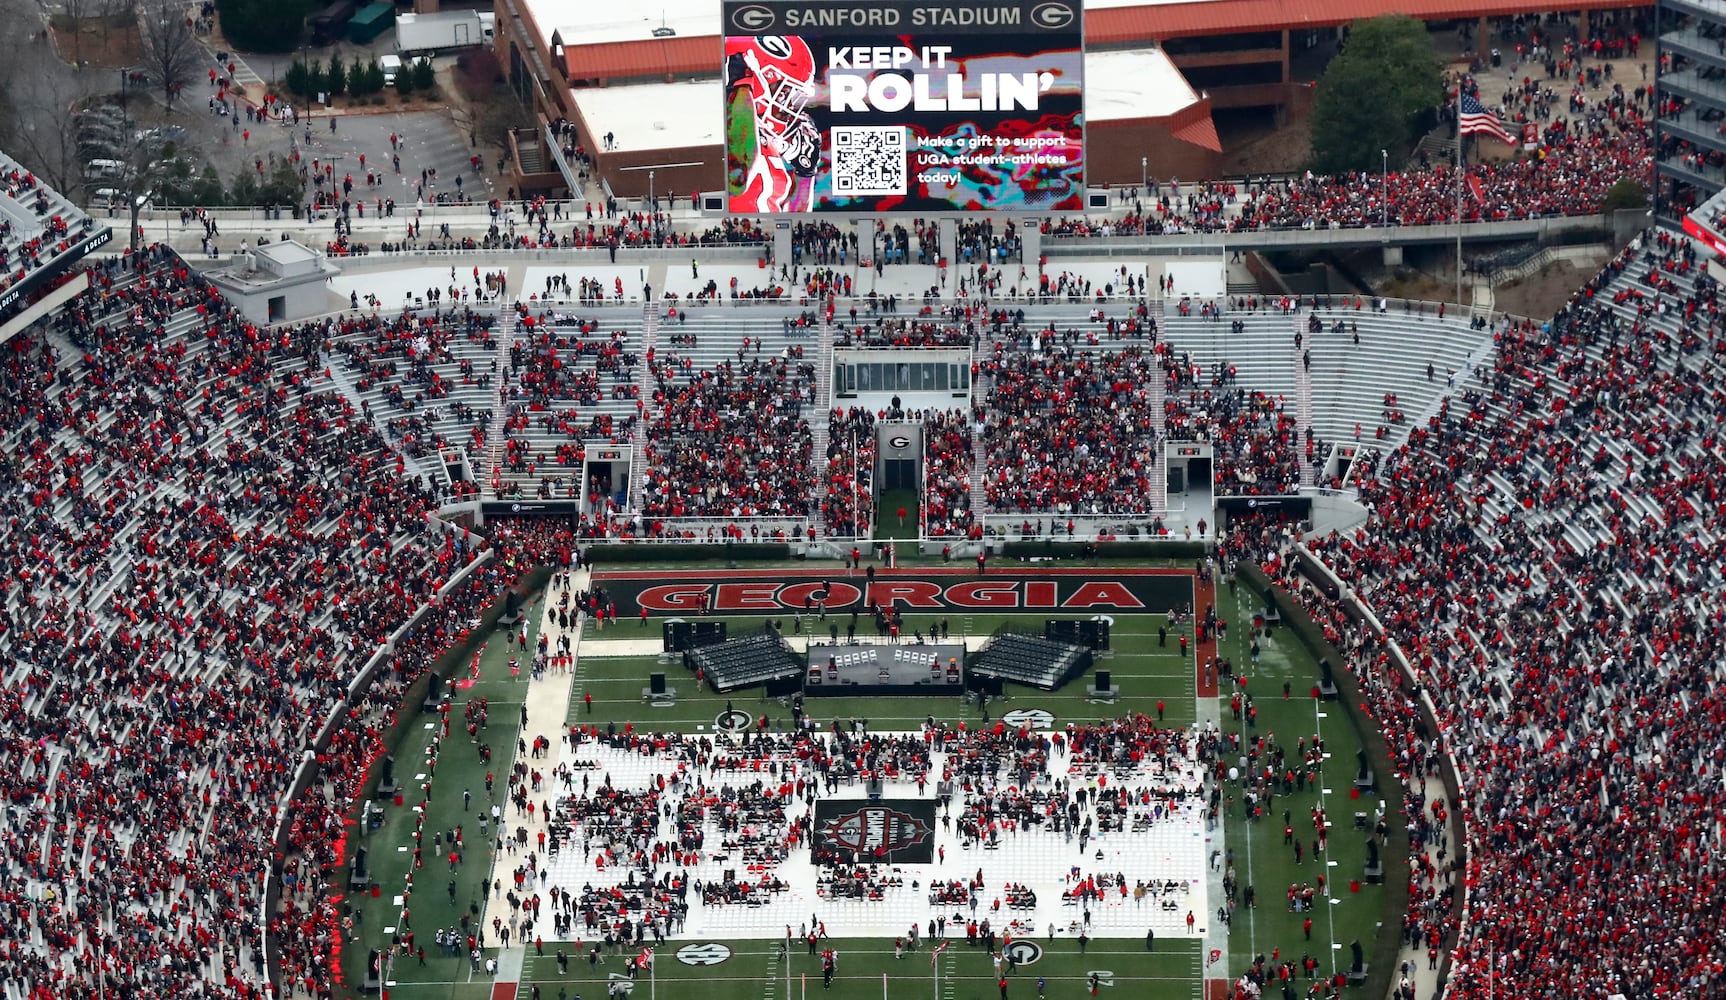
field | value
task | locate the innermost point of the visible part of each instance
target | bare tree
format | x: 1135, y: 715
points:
x: 171, y: 52
x: 74, y: 12
x: 111, y: 14
x: 488, y: 118
x: 37, y: 126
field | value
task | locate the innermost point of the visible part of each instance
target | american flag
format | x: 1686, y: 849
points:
x: 1475, y: 118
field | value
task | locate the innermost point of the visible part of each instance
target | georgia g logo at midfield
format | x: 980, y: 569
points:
x: 875, y: 829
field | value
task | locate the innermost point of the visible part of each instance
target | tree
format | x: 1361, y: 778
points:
x: 299, y: 80
x: 336, y: 77
x: 263, y: 25
x: 1371, y: 94
x: 404, y: 81
x: 171, y: 52
x: 365, y: 80
x: 276, y: 185
x: 425, y: 78
x: 29, y: 99
x: 180, y: 185
x: 1627, y: 193
x: 489, y: 116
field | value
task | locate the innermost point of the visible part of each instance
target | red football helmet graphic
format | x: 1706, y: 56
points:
x: 779, y: 72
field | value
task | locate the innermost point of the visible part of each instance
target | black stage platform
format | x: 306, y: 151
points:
x: 890, y: 668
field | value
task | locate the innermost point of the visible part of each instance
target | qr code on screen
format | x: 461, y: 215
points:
x: 869, y: 160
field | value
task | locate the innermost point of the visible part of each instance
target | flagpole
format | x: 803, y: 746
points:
x: 1459, y: 182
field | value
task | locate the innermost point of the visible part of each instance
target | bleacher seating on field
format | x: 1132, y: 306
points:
x: 745, y: 662
x: 1031, y: 660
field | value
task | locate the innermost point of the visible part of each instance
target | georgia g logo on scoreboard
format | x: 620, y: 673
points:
x: 752, y: 19
x: 1052, y: 15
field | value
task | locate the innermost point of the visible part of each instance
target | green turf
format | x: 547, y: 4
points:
x: 1146, y: 671
x: 756, y: 972
x: 459, y: 768
x: 887, y: 521
x: 1261, y: 857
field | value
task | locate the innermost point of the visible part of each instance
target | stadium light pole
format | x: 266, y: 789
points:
x: 1384, y: 188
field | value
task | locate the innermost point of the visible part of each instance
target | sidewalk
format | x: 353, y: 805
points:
x: 546, y: 703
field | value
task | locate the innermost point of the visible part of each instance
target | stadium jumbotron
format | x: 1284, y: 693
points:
x: 1186, y: 61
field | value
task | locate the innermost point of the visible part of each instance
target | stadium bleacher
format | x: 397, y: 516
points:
x: 753, y: 660
x: 41, y: 231
x: 1546, y: 554
x: 208, y: 539
x: 1029, y: 659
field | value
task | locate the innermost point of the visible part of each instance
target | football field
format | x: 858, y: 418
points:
x: 734, y: 952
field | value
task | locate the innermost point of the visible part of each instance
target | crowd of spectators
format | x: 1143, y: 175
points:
x: 1070, y: 431
x: 1602, y: 135
x: 203, y: 550
x: 36, y: 226
x: 918, y: 332
x: 1258, y: 452
x: 847, y: 502
x: 408, y: 359
x: 948, y: 456
x: 549, y: 363
x: 729, y: 441
x: 1546, y: 554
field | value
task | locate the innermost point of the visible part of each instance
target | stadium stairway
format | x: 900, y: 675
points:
x: 1159, y: 403
x: 1303, y: 413
x: 981, y: 351
x: 820, y: 423
x: 494, y: 432
x: 643, y: 393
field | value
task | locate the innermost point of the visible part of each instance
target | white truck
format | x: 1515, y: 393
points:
x: 424, y: 34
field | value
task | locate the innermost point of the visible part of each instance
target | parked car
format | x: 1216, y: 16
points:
x: 92, y: 150
x: 105, y: 170
x: 103, y: 112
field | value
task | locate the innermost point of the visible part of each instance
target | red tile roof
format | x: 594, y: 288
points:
x: 1226, y: 17
x: 674, y: 56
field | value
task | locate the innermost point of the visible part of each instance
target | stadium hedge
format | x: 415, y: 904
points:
x: 1381, y: 969
x: 613, y: 553
x: 1050, y: 549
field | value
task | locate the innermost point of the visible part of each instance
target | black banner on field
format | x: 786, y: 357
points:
x: 1291, y: 505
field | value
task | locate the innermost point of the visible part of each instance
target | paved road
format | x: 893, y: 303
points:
x: 429, y: 142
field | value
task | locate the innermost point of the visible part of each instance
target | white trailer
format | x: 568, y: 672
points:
x: 423, y: 34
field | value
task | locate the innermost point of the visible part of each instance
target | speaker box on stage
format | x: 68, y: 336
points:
x: 678, y: 635
x: 656, y: 683
x: 1102, y: 680
x: 709, y: 633
x: 511, y: 608
x: 1092, y: 633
